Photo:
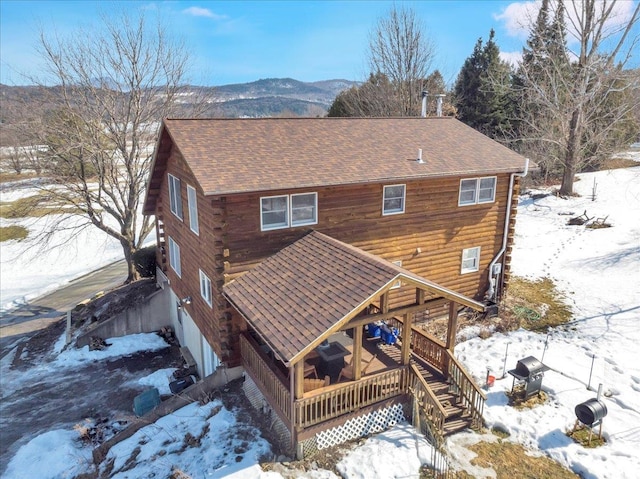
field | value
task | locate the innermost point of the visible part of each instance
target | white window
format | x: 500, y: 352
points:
x: 304, y: 209
x: 274, y: 212
x: 175, y: 198
x: 288, y: 210
x: 477, y: 190
x: 205, y: 287
x: 192, y: 201
x: 398, y: 283
x: 487, y: 190
x: 174, y: 256
x: 393, y: 200
x: 470, y: 260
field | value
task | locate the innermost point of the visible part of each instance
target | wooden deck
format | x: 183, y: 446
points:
x: 450, y: 404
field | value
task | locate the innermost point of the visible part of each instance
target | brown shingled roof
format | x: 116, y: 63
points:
x: 242, y: 155
x: 308, y: 289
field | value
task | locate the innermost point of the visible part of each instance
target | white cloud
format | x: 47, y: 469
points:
x: 512, y: 58
x: 203, y: 12
x: 518, y: 17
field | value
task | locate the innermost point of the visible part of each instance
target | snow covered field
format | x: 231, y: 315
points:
x: 27, y: 272
x: 598, y: 271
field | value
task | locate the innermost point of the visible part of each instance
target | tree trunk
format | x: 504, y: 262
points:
x: 571, y: 157
x: 129, y: 250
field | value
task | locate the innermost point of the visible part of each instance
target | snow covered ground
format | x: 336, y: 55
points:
x: 28, y: 272
x: 598, y: 271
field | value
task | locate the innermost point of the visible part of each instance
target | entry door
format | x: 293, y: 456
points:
x: 209, y: 358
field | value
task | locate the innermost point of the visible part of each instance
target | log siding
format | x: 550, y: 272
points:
x: 428, y: 237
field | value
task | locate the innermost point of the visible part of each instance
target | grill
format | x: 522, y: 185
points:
x: 591, y: 412
x: 528, y: 373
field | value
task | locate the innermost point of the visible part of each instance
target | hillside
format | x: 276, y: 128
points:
x: 266, y: 97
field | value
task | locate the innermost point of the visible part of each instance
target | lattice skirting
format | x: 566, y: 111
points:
x: 258, y: 401
x: 371, y: 423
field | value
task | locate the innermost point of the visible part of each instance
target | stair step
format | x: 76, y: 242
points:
x: 456, y: 425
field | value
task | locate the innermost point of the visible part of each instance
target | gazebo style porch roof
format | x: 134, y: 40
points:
x: 299, y: 296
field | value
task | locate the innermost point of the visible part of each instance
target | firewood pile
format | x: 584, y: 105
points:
x: 96, y: 343
x: 168, y: 335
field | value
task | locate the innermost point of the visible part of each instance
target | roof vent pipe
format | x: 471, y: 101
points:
x: 424, y: 103
x: 420, y: 155
x: 439, y: 104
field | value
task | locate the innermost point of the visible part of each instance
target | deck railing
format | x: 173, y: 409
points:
x: 266, y: 379
x: 466, y: 389
x: 428, y: 402
x: 435, y: 353
x: 341, y: 399
x: 432, y: 350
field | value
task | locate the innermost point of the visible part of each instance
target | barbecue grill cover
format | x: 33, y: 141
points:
x: 529, y: 366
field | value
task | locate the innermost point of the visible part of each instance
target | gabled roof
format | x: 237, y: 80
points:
x: 242, y: 155
x: 298, y: 296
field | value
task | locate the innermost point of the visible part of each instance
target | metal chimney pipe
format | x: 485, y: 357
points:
x: 439, y: 104
x: 420, y: 155
x: 424, y: 103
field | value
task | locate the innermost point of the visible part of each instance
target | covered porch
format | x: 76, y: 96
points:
x: 312, y: 346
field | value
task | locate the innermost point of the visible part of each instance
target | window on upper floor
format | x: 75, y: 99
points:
x: 304, y: 209
x: 477, y: 190
x: 205, y: 287
x: 174, y: 257
x: 470, y: 260
x: 175, y: 197
x: 393, y: 200
x: 274, y: 212
x: 286, y: 211
x: 192, y: 202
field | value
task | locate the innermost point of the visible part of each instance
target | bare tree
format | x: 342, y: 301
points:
x: 376, y: 97
x: 578, y: 104
x: 399, y: 49
x: 112, y: 87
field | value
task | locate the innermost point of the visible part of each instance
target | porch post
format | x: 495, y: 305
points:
x: 299, y: 379
x: 384, y: 302
x: 406, y: 338
x: 453, y: 325
x: 357, y: 352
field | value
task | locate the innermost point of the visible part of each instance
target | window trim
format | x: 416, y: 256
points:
x: 476, y: 191
x: 204, y: 292
x: 278, y: 226
x: 476, y: 257
x: 192, y: 207
x: 289, y: 212
x: 384, y: 198
x: 174, y: 254
x: 315, y: 209
x: 175, y: 196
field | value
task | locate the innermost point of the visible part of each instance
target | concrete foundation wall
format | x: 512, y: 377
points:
x: 149, y: 315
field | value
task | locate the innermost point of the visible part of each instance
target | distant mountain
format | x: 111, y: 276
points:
x: 261, y: 98
x: 277, y: 97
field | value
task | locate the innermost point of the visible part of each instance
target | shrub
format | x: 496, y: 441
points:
x: 145, y: 261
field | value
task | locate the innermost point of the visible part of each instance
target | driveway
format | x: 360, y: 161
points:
x: 37, y: 395
x: 41, y: 312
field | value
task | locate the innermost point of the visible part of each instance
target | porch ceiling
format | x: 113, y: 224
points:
x: 306, y: 291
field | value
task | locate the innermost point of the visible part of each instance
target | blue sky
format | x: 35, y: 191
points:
x: 242, y: 41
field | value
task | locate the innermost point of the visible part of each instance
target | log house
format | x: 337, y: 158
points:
x: 277, y: 238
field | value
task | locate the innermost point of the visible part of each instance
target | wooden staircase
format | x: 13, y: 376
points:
x: 457, y: 417
x: 457, y: 414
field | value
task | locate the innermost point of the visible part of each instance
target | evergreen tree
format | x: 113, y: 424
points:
x: 483, y: 91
